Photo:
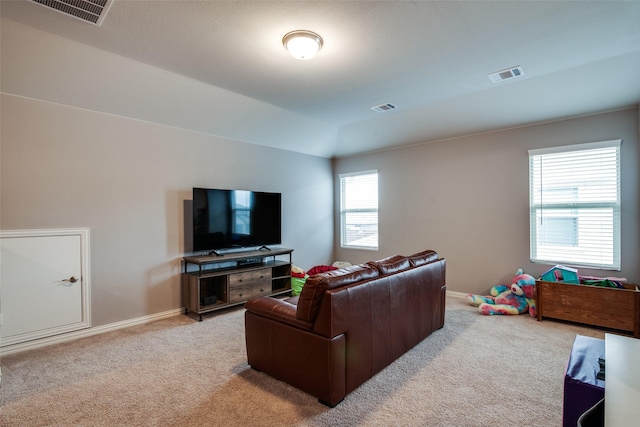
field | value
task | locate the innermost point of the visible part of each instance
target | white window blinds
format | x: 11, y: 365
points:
x: 574, y: 199
x: 359, y: 210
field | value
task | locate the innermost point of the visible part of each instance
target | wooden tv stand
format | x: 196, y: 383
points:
x: 231, y: 279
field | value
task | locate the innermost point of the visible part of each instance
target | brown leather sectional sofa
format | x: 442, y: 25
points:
x: 348, y: 324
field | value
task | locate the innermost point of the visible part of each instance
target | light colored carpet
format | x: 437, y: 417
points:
x: 476, y: 371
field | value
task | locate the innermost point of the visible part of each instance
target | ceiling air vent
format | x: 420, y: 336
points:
x: 92, y: 11
x: 507, y: 74
x: 382, y: 108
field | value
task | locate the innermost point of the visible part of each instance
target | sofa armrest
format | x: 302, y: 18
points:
x: 276, y: 310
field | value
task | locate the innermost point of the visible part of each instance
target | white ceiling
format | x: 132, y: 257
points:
x: 429, y: 58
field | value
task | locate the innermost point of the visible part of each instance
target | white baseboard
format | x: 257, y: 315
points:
x: 455, y: 294
x: 30, y: 345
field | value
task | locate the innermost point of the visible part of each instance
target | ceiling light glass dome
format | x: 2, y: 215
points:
x: 302, y: 44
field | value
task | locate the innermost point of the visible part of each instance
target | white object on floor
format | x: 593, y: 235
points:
x: 341, y: 264
x: 622, y: 388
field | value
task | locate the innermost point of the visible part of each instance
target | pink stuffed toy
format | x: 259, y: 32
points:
x: 515, y: 299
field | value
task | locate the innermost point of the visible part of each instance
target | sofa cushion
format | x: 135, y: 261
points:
x: 311, y: 296
x: 281, y: 311
x: 391, y: 265
x: 421, y: 258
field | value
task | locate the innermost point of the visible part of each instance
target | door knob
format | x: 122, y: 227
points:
x: 71, y: 279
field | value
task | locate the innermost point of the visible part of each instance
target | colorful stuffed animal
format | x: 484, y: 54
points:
x: 515, y: 299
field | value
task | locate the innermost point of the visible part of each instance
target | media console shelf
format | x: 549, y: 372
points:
x: 231, y: 279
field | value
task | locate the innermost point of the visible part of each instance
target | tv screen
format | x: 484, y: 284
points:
x: 225, y: 219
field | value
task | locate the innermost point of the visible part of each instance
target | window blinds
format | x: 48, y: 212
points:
x: 359, y: 210
x: 574, y: 200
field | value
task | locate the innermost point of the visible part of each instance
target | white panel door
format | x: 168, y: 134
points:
x: 44, y: 283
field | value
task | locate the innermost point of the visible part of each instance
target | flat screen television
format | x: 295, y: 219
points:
x: 227, y: 219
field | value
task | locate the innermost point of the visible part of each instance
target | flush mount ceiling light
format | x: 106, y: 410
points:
x: 302, y: 44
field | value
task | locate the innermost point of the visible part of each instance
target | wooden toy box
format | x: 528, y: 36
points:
x: 592, y: 305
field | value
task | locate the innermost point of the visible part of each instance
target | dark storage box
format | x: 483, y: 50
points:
x: 208, y: 300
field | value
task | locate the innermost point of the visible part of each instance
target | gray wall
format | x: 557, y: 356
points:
x: 468, y: 199
x: 80, y: 149
x: 130, y: 181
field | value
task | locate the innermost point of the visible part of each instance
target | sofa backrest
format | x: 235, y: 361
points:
x: 422, y: 258
x: 315, y: 286
x: 391, y: 265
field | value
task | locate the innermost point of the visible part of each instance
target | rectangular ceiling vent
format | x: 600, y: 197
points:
x: 383, y: 108
x: 507, y: 74
x: 92, y: 11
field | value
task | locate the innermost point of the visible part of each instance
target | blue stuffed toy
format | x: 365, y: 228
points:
x: 517, y: 298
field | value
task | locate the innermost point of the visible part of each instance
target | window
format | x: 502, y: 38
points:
x: 241, y: 211
x: 574, y: 199
x: 359, y: 210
